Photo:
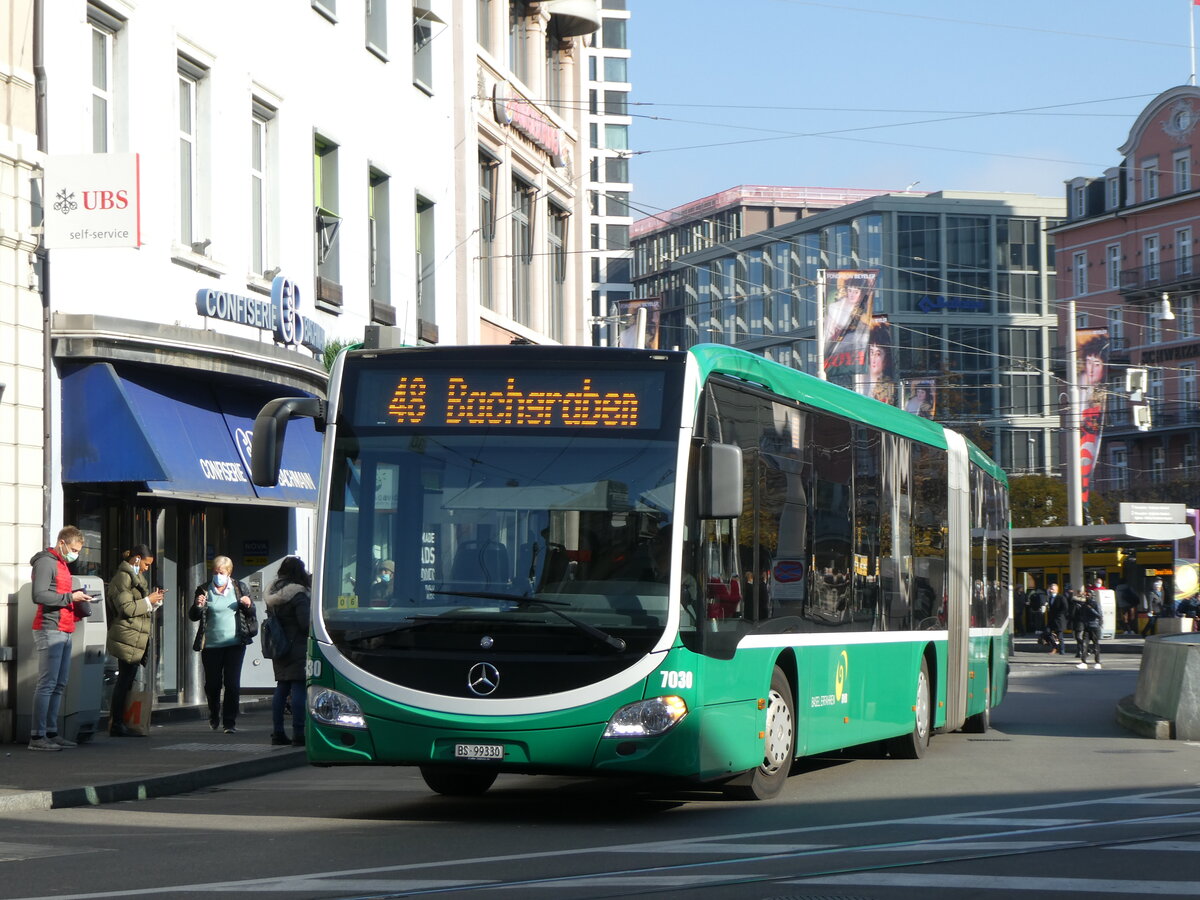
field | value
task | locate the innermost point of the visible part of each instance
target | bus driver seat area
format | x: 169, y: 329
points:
x: 481, y: 565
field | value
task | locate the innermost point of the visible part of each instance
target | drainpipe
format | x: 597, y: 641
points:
x: 39, y: 94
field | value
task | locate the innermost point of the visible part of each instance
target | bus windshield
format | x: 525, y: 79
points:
x: 439, y: 537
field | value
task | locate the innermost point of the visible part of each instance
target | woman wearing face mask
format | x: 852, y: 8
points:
x: 131, y: 605
x: 223, y: 608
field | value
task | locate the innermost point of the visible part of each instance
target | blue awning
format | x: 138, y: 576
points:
x: 180, y: 436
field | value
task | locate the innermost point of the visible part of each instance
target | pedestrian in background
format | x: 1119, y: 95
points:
x: 1089, y: 623
x: 58, y: 607
x: 1060, y: 615
x: 1019, y: 613
x: 130, y: 605
x: 289, y: 602
x: 227, y: 624
x: 1154, y: 606
x: 1126, y: 608
x: 1035, y: 610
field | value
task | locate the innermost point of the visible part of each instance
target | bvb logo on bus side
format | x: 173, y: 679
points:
x: 839, y: 680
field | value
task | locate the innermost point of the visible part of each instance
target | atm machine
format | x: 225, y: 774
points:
x: 79, y: 714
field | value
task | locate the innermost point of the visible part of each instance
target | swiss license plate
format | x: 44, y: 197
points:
x: 479, y: 751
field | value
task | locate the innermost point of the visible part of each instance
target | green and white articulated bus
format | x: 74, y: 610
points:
x: 692, y: 565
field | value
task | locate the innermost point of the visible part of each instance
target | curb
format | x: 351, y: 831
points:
x: 155, y: 785
x: 1133, y: 718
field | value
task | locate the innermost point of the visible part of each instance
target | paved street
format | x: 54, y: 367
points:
x: 1056, y: 798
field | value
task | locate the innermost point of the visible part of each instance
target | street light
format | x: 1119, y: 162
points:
x: 1165, y: 312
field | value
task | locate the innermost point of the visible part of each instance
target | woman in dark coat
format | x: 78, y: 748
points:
x: 288, y: 601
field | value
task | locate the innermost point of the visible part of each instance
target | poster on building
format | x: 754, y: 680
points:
x: 880, y: 380
x: 632, y: 322
x: 920, y: 397
x: 849, y: 299
x: 1091, y: 365
x: 92, y: 200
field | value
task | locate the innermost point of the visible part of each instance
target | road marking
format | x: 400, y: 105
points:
x: 708, y: 845
x: 999, y: 883
x: 657, y: 881
x: 1188, y: 846
x: 991, y: 821
x: 955, y: 844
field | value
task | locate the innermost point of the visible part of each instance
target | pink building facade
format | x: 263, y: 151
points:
x: 1129, y: 243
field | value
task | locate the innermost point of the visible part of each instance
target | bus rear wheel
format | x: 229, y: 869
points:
x: 779, y: 747
x: 981, y: 721
x: 914, y: 744
x: 457, y: 782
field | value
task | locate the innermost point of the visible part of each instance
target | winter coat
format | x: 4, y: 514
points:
x: 1090, y: 613
x: 52, y: 593
x: 1060, y: 610
x: 247, y: 618
x: 130, y: 615
x: 291, y: 605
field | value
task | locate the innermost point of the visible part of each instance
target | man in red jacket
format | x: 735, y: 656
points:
x: 53, y: 625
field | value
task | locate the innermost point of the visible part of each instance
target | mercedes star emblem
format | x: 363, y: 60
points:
x: 483, y: 679
x: 486, y: 642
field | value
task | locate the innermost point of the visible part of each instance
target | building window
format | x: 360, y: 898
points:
x: 554, y: 68
x: 488, y: 168
x: 522, y: 250
x: 1150, y: 257
x: 1187, y: 392
x: 328, y: 222
x: 1078, y: 202
x: 1183, y: 251
x: 261, y: 191
x: 483, y: 25
x: 1114, y: 193
x: 1022, y: 451
x: 616, y: 137
x: 616, y: 68
x: 616, y: 203
x: 1149, y: 179
x: 426, y: 262
x: 1118, y: 458
x: 423, y: 51
x: 379, y: 238
x: 1185, y: 321
x: 616, y: 103
x: 1079, y: 274
x: 613, y: 34
x: 617, y: 237
x: 1112, y: 265
x: 190, y: 76
x: 518, y: 40
x: 1116, y: 327
x: 104, y: 32
x: 558, y: 271
x: 1182, y: 167
x: 377, y: 27
x: 1158, y: 464
x: 1189, y: 455
x: 616, y: 168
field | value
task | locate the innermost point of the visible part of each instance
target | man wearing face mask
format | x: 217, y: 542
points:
x: 131, y: 605
x: 53, y: 624
x: 381, y: 590
x: 227, y: 624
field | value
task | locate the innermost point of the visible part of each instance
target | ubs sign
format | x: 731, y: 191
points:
x: 280, y: 314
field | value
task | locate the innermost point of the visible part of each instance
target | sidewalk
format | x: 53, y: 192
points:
x: 1122, y: 644
x: 181, y: 754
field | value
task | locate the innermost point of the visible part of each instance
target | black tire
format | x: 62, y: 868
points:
x: 981, y: 722
x: 914, y: 744
x: 453, y: 781
x: 779, y: 746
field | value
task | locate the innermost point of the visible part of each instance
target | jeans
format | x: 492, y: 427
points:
x: 223, y: 668
x: 54, y: 665
x: 284, y: 689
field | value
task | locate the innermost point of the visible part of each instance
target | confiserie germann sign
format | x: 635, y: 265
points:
x: 92, y: 200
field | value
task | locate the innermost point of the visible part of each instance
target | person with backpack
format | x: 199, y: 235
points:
x: 289, y: 605
x: 130, y: 605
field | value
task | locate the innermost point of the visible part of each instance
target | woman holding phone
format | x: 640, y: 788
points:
x: 130, y: 605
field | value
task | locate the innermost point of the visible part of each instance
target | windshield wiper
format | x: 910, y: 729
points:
x: 609, y: 640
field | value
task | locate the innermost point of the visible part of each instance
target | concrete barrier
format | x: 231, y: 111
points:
x: 1168, y: 688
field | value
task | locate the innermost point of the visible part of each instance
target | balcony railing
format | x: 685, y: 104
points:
x: 1169, y: 274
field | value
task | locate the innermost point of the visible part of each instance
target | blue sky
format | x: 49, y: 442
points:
x: 706, y: 72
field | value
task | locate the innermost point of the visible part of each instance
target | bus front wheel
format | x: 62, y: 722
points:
x: 456, y: 782
x: 779, y: 747
x: 914, y: 744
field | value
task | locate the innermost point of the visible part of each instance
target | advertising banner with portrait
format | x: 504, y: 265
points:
x: 920, y: 397
x: 880, y: 380
x: 1091, y: 366
x: 849, y: 300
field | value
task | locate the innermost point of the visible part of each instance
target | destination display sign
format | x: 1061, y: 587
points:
x: 521, y: 399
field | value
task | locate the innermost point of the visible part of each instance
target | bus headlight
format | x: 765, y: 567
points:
x: 335, y: 708
x: 646, y: 718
